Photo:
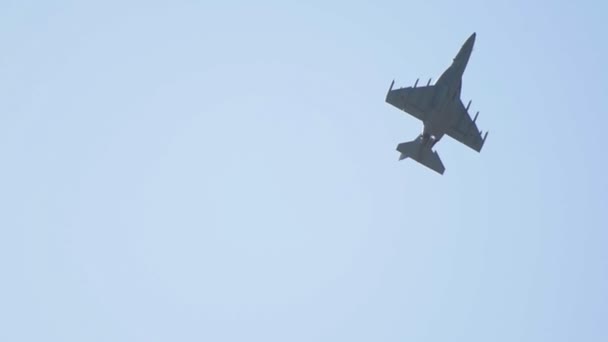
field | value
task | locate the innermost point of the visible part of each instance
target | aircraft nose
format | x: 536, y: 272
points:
x: 471, y: 40
x: 465, y: 50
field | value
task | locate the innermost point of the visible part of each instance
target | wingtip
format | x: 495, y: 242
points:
x: 388, y: 93
x: 483, y: 141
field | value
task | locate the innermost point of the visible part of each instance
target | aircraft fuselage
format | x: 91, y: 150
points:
x: 448, y: 86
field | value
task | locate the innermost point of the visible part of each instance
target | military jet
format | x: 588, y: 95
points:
x: 441, y: 111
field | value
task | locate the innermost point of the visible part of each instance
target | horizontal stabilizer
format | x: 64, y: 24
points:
x: 422, y: 154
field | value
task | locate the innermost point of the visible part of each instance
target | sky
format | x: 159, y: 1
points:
x: 226, y: 171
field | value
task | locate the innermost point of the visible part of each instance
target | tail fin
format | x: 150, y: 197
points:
x: 422, y: 154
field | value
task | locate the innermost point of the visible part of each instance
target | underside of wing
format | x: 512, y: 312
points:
x: 416, y: 101
x: 464, y: 129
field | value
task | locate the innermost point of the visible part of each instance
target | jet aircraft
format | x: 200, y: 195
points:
x: 441, y: 111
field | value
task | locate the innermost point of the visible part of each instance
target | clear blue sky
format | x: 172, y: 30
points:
x: 226, y: 171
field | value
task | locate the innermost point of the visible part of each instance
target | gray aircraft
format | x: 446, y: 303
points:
x: 441, y: 111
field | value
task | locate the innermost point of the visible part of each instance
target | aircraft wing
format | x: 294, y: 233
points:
x: 416, y: 101
x: 465, y: 130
